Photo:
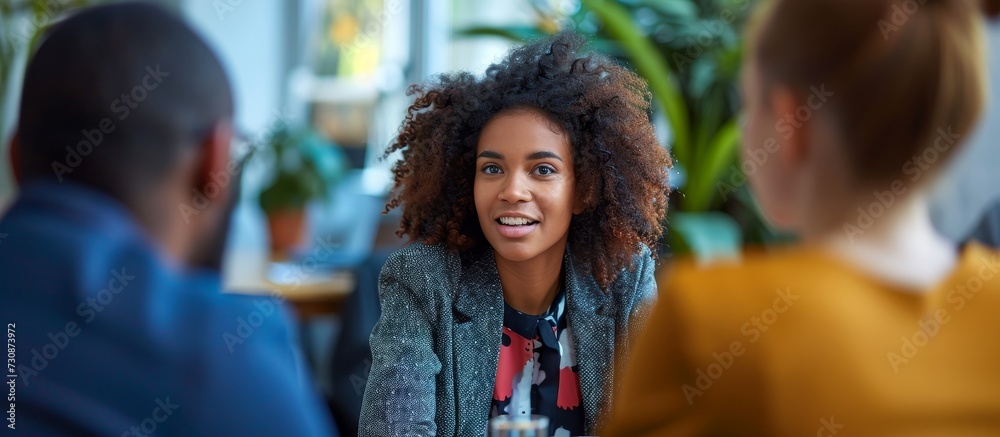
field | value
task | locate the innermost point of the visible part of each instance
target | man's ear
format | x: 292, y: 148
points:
x: 15, y: 156
x: 214, y: 160
x: 785, y: 103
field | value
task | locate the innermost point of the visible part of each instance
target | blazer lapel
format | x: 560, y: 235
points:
x: 478, y: 327
x: 591, y: 318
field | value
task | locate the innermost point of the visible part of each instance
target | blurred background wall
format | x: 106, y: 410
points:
x: 972, y: 182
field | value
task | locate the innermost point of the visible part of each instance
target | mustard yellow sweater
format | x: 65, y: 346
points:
x: 798, y: 343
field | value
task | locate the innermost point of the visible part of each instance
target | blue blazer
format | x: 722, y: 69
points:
x: 436, y: 346
x: 110, y: 338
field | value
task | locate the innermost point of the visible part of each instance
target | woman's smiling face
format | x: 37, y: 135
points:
x: 525, y: 188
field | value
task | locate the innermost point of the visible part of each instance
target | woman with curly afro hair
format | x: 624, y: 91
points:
x: 532, y: 196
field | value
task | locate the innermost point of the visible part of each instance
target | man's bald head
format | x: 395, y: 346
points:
x: 114, y: 95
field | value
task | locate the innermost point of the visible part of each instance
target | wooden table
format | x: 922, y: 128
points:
x: 312, y: 292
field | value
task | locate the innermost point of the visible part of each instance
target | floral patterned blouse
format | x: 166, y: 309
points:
x: 537, y: 370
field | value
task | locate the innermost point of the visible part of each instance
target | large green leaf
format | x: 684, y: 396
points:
x: 718, y: 154
x: 678, y: 9
x: 512, y: 33
x: 709, y: 235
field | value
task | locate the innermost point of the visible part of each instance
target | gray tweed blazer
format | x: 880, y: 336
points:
x: 436, y: 346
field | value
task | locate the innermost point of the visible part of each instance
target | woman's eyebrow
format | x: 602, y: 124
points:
x: 543, y: 155
x: 532, y: 157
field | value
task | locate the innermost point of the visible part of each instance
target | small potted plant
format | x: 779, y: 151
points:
x: 305, y: 167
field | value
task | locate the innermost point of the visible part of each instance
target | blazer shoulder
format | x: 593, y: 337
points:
x: 424, y: 269
x: 423, y: 258
x: 643, y: 265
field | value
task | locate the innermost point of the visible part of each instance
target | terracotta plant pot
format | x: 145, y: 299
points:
x: 288, y: 230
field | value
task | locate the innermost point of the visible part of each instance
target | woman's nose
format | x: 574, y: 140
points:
x: 515, y: 189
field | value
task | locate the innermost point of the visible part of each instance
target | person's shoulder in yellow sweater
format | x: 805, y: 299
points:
x: 798, y: 342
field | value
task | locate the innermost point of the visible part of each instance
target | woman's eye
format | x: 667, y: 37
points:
x: 545, y: 170
x: 492, y: 169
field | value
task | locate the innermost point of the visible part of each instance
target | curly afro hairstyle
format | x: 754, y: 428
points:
x: 603, y: 108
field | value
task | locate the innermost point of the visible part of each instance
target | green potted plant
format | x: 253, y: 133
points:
x: 304, y: 168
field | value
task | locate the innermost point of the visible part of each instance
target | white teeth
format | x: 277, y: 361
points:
x: 514, y: 221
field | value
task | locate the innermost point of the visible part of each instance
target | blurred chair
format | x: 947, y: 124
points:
x: 988, y: 230
x: 351, y: 357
